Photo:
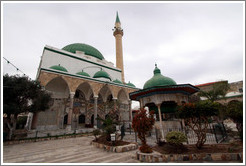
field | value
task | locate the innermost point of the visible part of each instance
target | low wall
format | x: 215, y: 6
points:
x: 156, y: 157
x: 44, y: 139
x: 117, y: 149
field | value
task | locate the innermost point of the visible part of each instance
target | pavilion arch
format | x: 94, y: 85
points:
x: 61, y: 91
x: 86, y: 88
x: 123, y: 97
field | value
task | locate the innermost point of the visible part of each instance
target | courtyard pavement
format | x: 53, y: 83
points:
x: 71, y: 150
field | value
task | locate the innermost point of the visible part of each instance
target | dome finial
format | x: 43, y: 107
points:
x: 156, y: 70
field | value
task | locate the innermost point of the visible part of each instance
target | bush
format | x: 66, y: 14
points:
x: 96, y: 132
x: 176, y: 137
x: 145, y: 149
x: 142, y: 124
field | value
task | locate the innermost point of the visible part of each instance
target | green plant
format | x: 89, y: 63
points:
x: 142, y: 124
x: 235, y: 112
x: 196, y: 117
x: 108, y: 126
x: 96, y: 132
x: 176, y: 137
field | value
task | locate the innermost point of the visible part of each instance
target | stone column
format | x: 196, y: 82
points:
x: 115, y: 104
x: 87, y: 120
x: 130, y: 110
x: 70, y: 113
x: 161, y: 126
x: 29, y: 121
x: 95, y: 111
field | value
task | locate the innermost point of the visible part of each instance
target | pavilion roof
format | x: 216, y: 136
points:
x: 187, y: 89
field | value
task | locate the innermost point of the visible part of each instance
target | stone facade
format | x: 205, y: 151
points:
x: 235, y: 91
x: 74, y: 102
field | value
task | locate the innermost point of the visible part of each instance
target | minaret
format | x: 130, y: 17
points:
x: 118, y: 33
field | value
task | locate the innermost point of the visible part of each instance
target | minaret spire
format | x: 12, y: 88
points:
x: 117, y: 18
x: 118, y: 33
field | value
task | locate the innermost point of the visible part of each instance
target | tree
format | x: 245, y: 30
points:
x: 142, y: 124
x: 109, y: 125
x: 235, y: 112
x: 21, y: 95
x: 218, y: 91
x: 196, y: 117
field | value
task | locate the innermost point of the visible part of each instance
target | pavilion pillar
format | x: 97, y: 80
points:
x: 161, y: 126
x: 70, y: 113
x: 95, y: 111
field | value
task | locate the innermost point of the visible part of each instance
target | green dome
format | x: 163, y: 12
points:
x: 131, y: 84
x: 158, y: 80
x: 101, y: 74
x: 117, y: 81
x: 58, y: 67
x: 87, y: 49
x: 83, y: 73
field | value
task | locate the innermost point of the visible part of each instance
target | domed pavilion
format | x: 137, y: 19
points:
x: 162, y: 95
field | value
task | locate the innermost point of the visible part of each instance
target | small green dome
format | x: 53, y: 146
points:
x: 158, y: 80
x: 87, y: 49
x: 102, y: 74
x: 117, y: 81
x: 83, y: 73
x: 58, y: 67
x: 131, y: 84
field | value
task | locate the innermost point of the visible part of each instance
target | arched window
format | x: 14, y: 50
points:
x: 82, y: 119
x: 65, y: 119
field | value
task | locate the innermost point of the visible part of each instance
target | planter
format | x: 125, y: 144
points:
x: 156, y: 157
x: 117, y: 149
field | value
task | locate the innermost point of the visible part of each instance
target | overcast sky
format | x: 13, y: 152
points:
x: 190, y: 42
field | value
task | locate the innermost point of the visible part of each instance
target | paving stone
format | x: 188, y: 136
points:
x: 70, y: 150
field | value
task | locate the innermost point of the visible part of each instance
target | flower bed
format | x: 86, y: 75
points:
x: 156, y: 157
x: 117, y: 149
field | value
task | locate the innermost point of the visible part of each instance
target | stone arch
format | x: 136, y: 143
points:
x: 105, y: 91
x: 73, y: 83
x: 61, y: 91
x: 123, y: 96
x: 86, y: 88
x: 44, y: 78
x: 96, y: 87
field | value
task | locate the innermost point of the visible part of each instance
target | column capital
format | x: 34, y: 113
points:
x: 115, y: 98
x: 72, y: 93
x: 95, y: 97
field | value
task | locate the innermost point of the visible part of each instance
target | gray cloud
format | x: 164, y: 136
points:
x: 191, y: 42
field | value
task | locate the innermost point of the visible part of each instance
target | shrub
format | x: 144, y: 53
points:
x: 142, y: 124
x: 145, y: 149
x: 197, y: 116
x: 96, y: 132
x: 176, y: 137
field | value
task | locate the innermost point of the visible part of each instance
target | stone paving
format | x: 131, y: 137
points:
x: 71, y: 150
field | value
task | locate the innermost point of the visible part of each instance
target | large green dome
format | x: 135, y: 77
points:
x: 87, y: 49
x: 158, y: 80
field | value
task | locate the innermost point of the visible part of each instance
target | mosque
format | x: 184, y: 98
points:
x: 84, y: 86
